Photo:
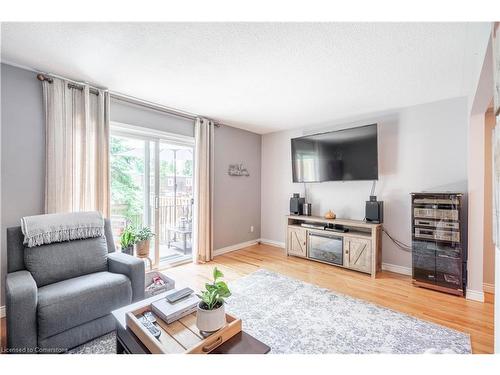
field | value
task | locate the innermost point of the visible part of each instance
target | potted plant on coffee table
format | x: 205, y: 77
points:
x: 211, y: 313
x: 142, y: 240
x: 127, y: 240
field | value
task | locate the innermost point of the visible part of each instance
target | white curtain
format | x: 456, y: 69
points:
x: 203, y: 190
x: 77, y: 148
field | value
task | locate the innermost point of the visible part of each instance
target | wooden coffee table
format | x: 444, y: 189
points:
x: 128, y: 343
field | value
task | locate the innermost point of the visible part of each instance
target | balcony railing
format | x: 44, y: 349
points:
x: 170, y: 214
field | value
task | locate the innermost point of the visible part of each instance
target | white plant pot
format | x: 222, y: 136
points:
x: 210, y: 320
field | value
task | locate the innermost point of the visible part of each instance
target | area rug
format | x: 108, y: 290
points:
x: 292, y: 316
x: 102, y: 345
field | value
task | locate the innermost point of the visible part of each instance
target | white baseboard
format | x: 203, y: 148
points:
x: 396, y: 269
x: 474, y: 295
x: 235, y: 247
x: 272, y: 243
x: 489, y: 288
x: 2, y: 311
x: 239, y: 246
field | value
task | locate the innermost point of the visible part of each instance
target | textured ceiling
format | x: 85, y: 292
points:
x: 261, y: 76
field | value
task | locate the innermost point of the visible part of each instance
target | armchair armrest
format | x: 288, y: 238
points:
x: 21, y: 294
x: 131, y: 267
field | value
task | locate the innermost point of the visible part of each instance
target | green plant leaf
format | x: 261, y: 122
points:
x: 205, y: 297
x: 213, y: 299
x: 222, y: 289
x: 210, y: 287
x: 217, y: 274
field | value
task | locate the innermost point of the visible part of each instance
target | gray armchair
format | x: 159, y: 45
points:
x: 60, y: 295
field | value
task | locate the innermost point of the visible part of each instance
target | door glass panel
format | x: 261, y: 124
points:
x: 175, y: 202
x: 127, y: 185
x: 132, y: 185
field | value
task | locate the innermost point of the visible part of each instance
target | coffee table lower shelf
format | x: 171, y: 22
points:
x: 241, y: 343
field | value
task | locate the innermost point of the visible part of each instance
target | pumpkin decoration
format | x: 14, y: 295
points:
x: 330, y: 215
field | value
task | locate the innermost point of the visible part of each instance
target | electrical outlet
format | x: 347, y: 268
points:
x: 251, y: 228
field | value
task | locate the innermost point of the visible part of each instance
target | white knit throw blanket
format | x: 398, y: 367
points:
x: 44, y: 229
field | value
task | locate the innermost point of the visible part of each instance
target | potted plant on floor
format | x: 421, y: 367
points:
x: 211, y: 314
x: 142, y: 239
x: 127, y: 240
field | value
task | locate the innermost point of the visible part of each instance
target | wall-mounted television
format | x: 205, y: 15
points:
x: 342, y: 155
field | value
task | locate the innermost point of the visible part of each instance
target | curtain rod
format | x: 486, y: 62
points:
x: 133, y: 100
x: 71, y: 85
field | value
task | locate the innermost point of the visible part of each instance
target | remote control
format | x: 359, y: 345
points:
x: 149, y: 326
x: 150, y: 316
x: 180, y: 294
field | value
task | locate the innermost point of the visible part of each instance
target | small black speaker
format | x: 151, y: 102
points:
x: 296, y: 204
x: 374, y: 210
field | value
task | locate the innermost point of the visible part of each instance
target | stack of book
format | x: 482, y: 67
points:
x: 170, y: 312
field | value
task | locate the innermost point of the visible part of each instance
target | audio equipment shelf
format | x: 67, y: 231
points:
x: 439, y: 243
x: 358, y: 249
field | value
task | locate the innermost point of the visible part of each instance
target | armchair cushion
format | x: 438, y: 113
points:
x: 21, y: 301
x: 61, y: 261
x: 72, y: 302
x: 131, y: 267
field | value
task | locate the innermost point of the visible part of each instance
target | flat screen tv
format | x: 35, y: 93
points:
x: 342, y: 155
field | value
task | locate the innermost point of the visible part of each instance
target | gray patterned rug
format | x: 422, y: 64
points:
x: 295, y: 317
x: 102, y: 345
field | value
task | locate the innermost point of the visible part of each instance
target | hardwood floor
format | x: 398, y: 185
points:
x: 3, y: 338
x: 388, y: 289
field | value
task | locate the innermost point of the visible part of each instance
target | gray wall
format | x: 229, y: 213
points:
x: 23, y: 151
x: 236, y: 199
x: 421, y: 148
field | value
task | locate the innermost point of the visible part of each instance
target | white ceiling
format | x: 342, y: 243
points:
x: 262, y: 77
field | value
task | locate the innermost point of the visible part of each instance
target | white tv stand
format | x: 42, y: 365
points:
x: 362, y: 247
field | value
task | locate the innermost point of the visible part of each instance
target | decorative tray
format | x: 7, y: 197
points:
x: 181, y: 336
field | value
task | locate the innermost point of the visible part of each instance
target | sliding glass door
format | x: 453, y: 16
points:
x: 152, y: 185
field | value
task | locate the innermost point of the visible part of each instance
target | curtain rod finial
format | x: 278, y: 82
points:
x: 42, y: 78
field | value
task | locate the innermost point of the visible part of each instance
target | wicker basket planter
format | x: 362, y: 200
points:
x: 142, y: 249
